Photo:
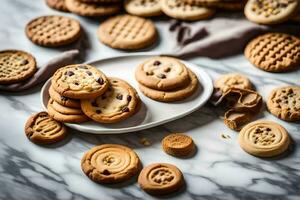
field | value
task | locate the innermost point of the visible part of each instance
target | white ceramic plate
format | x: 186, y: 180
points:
x: 152, y: 113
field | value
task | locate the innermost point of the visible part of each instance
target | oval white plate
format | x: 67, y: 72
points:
x: 152, y: 113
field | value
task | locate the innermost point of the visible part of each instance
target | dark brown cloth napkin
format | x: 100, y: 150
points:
x: 43, y: 73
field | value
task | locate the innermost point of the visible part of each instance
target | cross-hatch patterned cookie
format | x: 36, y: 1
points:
x: 274, y: 52
x: 127, y: 32
x: 53, y: 30
x: 143, y: 8
x: 57, y: 5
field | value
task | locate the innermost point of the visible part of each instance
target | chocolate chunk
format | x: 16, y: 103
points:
x: 119, y: 96
x: 162, y: 76
x: 24, y: 62
x: 125, y: 109
x: 168, y: 69
x: 70, y: 73
x: 268, y: 129
x: 94, y: 103
x: 149, y: 73
x: 82, y: 66
x: 129, y: 98
x: 100, y: 81
x: 156, y: 63
x: 106, y: 172
x: 89, y: 73
x: 76, y: 83
x: 98, y: 111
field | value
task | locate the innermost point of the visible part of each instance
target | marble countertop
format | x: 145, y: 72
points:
x: 219, y: 170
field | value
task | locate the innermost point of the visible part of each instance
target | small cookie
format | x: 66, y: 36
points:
x: 264, y: 138
x: 172, y: 95
x: 57, y: 5
x: 274, y: 52
x: 16, y: 66
x: 220, y: 4
x: 143, y: 8
x: 162, y: 73
x: 127, y: 32
x: 53, y: 31
x: 232, y: 80
x: 284, y: 103
x: 65, y: 101
x: 110, y: 163
x: 180, y: 10
x: 92, y: 9
x: 160, y: 179
x: 64, y: 117
x: 179, y: 145
x: 116, y: 104
x: 40, y: 128
x: 270, y: 11
x: 79, y: 81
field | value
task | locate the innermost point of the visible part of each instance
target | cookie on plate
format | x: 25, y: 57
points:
x: 16, y: 66
x: 162, y: 73
x: 118, y: 103
x: 57, y: 5
x: 180, y: 10
x: 284, y: 103
x: 232, y: 80
x: 143, y: 8
x: 179, y: 145
x: 65, y: 101
x: 270, y: 11
x: 264, y: 138
x: 110, y: 163
x: 274, y: 52
x: 40, y: 128
x: 127, y: 32
x: 160, y: 179
x: 88, y: 9
x: 101, y: 1
x: 53, y: 30
x: 79, y: 81
x: 176, y: 94
x: 220, y: 4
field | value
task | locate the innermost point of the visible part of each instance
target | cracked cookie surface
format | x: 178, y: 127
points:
x: 232, y: 80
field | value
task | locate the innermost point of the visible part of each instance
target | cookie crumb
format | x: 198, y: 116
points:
x: 225, y: 136
x: 145, y: 141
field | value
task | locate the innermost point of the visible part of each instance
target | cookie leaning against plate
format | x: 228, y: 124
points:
x: 16, y: 66
x: 53, y: 30
x: 284, y: 103
x: 160, y: 179
x: 110, y: 163
x: 145, y: 8
x: 65, y: 101
x: 270, y: 11
x: 274, y: 52
x: 162, y: 73
x: 92, y: 9
x: 79, y: 81
x: 184, y: 11
x: 175, y: 94
x: 40, y: 128
x: 57, y: 5
x: 232, y: 80
x: 127, y: 32
x: 118, y: 103
x: 264, y: 138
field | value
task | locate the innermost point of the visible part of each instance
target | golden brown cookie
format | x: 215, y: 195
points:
x: 79, y: 81
x: 57, y: 5
x: 118, y: 103
x: 66, y: 110
x: 180, y: 10
x: 40, y: 128
x: 16, y: 66
x: 160, y: 179
x: 284, y: 103
x: 274, y: 52
x: 65, y: 101
x: 175, y: 94
x: 68, y: 116
x: 101, y: 1
x: 232, y: 80
x: 162, y: 73
x: 270, y: 11
x: 110, y: 163
x: 92, y: 9
x: 264, y: 138
x: 53, y: 30
x: 178, y: 145
x: 143, y: 8
x: 127, y: 32
x: 220, y: 4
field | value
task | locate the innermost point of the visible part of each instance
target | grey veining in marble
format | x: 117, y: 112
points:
x: 219, y: 170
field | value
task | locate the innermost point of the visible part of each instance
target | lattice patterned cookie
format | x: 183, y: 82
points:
x: 57, y: 5
x: 221, y: 4
x: 127, y: 32
x: 16, y: 66
x: 264, y: 138
x: 53, y: 31
x: 184, y: 11
x: 270, y: 11
x: 284, y: 103
x: 274, y: 52
x: 143, y: 8
x: 232, y: 80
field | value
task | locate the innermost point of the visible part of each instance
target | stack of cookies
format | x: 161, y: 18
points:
x: 166, y: 79
x: 82, y: 92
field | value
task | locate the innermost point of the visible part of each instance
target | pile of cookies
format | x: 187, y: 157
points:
x: 166, y: 79
x: 82, y: 92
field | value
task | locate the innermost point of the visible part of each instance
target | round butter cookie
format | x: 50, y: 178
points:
x: 232, y: 80
x: 220, y: 4
x: 178, y: 145
x: 143, y: 8
x: 57, y: 5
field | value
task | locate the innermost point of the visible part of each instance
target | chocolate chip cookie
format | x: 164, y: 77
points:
x: 65, y: 101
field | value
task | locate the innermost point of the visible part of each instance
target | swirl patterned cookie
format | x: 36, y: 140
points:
x: 110, y: 163
x: 160, y: 179
x: 145, y: 8
x: 40, y: 128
